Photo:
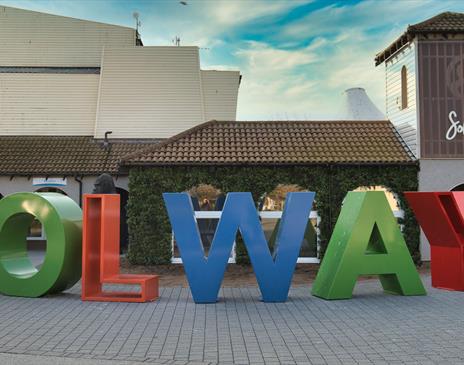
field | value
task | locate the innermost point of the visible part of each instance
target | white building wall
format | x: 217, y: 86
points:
x: 149, y: 92
x: 405, y: 120
x: 19, y: 184
x: 29, y: 38
x: 142, y: 92
x: 48, y: 104
x: 438, y: 175
x: 220, y: 92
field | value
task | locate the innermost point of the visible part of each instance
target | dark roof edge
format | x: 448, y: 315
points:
x: 394, y: 47
x: 50, y: 70
x: 59, y: 174
x: 414, y: 162
x: 409, y: 35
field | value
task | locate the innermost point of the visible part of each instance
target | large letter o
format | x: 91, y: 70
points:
x: 61, y: 219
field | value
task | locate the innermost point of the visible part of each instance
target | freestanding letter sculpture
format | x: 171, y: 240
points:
x: 61, y: 219
x: 441, y: 217
x: 366, y: 240
x: 273, y: 272
x: 100, y: 258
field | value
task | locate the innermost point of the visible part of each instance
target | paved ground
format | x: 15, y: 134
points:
x: 371, y: 328
x: 17, y: 359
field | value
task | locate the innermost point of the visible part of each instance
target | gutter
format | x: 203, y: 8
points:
x: 129, y: 165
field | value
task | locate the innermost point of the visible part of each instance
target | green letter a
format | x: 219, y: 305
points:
x: 366, y: 240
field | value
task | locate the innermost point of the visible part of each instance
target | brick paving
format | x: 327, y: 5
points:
x: 372, y: 328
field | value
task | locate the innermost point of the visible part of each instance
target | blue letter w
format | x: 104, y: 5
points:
x: 273, y: 272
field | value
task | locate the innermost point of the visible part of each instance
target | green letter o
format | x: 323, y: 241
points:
x: 61, y: 218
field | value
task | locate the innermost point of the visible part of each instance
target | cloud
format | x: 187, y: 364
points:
x: 275, y: 82
x: 367, y: 15
x: 206, y: 23
x: 233, y: 13
x: 262, y: 58
x: 343, y: 41
x: 296, y: 56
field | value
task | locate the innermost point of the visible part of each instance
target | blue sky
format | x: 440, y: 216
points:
x: 296, y: 56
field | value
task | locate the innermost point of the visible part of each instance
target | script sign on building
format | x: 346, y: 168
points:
x: 441, y: 99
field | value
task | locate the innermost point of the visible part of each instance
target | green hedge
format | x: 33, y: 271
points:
x: 149, y: 227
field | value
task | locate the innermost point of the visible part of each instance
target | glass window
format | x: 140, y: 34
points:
x: 404, y: 88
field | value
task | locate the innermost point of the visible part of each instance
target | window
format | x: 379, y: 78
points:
x: 404, y: 87
x: 392, y: 199
x: 274, y: 202
x: 459, y: 187
x: 207, y: 202
x: 36, y: 232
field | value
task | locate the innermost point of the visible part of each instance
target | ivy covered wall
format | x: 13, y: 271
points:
x: 150, y: 230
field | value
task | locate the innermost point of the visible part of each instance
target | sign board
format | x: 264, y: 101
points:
x: 49, y: 181
x: 441, y: 99
x: 366, y: 241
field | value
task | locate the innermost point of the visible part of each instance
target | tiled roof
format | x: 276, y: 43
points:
x: 63, y: 155
x: 447, y: 22
x: 279, y: 143
x: 443, y: 23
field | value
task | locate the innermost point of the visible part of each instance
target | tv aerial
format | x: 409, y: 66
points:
x: 138, y: 23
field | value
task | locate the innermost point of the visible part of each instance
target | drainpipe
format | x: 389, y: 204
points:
x: 79, y: 181
x: 106, y: 142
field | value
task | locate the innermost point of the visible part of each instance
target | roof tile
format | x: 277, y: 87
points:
x: 279, y: 143
x: 63, y: 155
x: 443, y: 23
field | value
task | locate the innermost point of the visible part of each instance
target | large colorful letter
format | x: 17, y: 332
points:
x: 366, y: 240
x: 273, y: 272
x: 100, y: 259
x: 61, y: 219
x: 441, y: 217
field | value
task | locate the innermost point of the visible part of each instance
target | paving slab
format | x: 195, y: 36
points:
x: 371, y: 328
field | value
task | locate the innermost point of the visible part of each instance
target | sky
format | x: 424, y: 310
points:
x: 296, y: 56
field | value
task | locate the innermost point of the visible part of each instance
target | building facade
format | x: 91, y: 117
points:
x: 76, y: 96
x: 267, y: 159
x: 424, y: 71
x: 61, y: 76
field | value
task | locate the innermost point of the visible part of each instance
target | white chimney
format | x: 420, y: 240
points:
x: 356, y: 105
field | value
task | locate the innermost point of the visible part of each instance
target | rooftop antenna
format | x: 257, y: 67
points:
x: 138, y: 23
x: 176, y: 40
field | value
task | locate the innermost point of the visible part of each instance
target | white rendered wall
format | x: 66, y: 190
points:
x: 48, y: 104
x: 438, y: 175
x: 149, y: 92
x: 220, y: 92
x: 23, y: 184
x: 405, y: 120
x: 29, y: 38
